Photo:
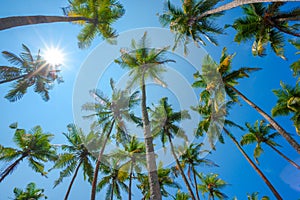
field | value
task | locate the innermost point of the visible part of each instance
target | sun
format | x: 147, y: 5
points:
x: 54, y: 56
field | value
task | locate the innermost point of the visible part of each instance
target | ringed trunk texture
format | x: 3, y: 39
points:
x: 260, y: 173
x: 95, y: 178
x: 237, y: 3
x: 273, y: 123
x: 15, y: 21
x: 181, y: 171
x: 155, y: 193
x: 73, y: 179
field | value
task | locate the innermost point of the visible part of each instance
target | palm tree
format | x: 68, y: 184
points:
x: 110, y: 112
x: 144, y: 63
x: 31, y: 192
x: 164, y: 181
x: 288, y: 102
x: 237, y: 3
x: 164, y: 121
x: 78, y: 156
x: 34, y: 146
x: 181, y: 196
x: 95, y: 16
x: 254, y: 196
x: 219, y: 124
x: 260, y: 133
x: 134, y: 155
x: 296, y: 65
x: 184, y: 23
x: 190, y: 159
x: 266, y: 24
x: 229, y: 81
x: 212, y: 185
x: 29, y: 70
x: 114, y: 177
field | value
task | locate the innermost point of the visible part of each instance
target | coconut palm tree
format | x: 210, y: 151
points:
x: 114, y: 178
x: 261, y: 133
x: 28, y: 70
x: 181, y: 196
x: 212, y: 184
x: 237, y: 3
x: 295, y: 67
x: 34, y: 146
x: 228, y: 80
x: 254, y: 196
x: 144, y: 63
x: 190, y: 159
x: 31, y: 192
x: 164, y: 121
x: 78, y: 155
x: 164, y: 181
x: 95, y: 16
x: 183, y: 22
x: 288, y: 102
x: 213, y: 130
x: 134, y: 155
x: 110, y: 112
x: 266, y: 24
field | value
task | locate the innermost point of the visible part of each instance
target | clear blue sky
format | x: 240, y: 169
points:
x: 54, y: 115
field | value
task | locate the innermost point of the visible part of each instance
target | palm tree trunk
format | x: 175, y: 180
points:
x: 11, y: 167
x: 95, y: 178
x: 13, y: 79
x: 155, y: 193
x: 285, y: 157
x: 112, y: 190
x: 15, y: 21
x: 130, y: 180
x: 195, y: 180
x: 73, y: 179
x: 237, y: 3
x: 260, y: 173
x: 181, y: 170
x: 273, y: 123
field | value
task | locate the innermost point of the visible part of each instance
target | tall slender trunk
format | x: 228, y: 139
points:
x: 285, y: 157
x: 95, y: 178
x: 189, y: 188
x: 112, y: 190
x: 73, y: 179
x: 260, y: 173
x: 195, y: 180
x: 237, y: 3
x: 13, y: 79
x: 273, y: 123
x: 15, y: 21
x: 155, y: 193
x: 11, y: 167
x: 130, y: 180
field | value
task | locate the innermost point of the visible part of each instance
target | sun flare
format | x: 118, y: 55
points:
x: 54, y: 56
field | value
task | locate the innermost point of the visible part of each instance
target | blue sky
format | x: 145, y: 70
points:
x: 54, y: 115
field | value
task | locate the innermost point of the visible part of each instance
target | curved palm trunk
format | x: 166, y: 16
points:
x: 73, y: 179
x: 130, y: 180
x: 273, y: 123
x: 237, y: 3
x: 12, y: 79
x: 15, y: 21
x: 181, y: 170
x: 11, y: 167
x: 155, y: 193
x: 95, y: 178
x: 285, y: 157
x: 260, y: 173
x: 195, y: 181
